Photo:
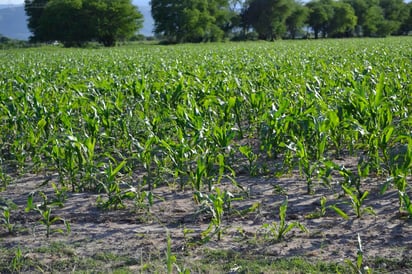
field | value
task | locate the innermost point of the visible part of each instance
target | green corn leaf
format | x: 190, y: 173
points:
x: 340, y: 212
x: 118, y: 168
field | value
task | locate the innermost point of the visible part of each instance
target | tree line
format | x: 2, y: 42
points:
x: 75, y: 22
x: 201, y: 20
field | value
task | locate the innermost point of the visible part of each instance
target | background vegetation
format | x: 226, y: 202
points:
x: 74, y: 22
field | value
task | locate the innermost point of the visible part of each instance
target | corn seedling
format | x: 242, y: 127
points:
x: 216, y: 203
x: 45, y: 211
x: 60, y: 194
x: 358, y: 266
x: 251, y: 159
x: 407, y: 204
x: 171, y: 260
x: 18, y: 261
x: 357, y: 201
x: 278, y: 230
x: 112, y: 187
x: 5, y: 218
x: 319, y: 212
x: 6, y: 207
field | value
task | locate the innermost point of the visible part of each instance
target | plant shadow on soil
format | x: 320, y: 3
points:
x: 134, y: 239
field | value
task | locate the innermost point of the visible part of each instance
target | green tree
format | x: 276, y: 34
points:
x: 65, y: 21
x: 74, y: 22
x: 361, y: 8
x: 268, y: 17
x: 113, y: 20
x: 406, y: 26
x: 191, y: 20
x: 395, y: 13
x: 343, y: 23
x: 379, y: 17
x: 320, y: 15
x: 34, y: 10
x: 375, y: 23
x: 296, y: 19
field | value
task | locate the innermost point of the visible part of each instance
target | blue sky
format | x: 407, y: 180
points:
x: 19, y: 2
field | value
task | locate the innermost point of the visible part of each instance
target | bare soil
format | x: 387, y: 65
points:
x: 140, y: 233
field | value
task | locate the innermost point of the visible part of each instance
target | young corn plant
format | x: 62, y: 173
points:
x: 319, y: 212
x: 357, y: 201
x: 18, y: 261
x: 307, y: 166
x: 147, y: 156
x: 216, y: 203
x: 204, y: 171
x: 278, y: 230
x: 407, y: 204
x: 352, y: 187
x: 171, y: 260
x: 69, y: 158
x: 359, y: 266
x: 5, y: 219
x: 179, y: 153
x: 400, y: 167
x: 251, y: 158
x: 354, y: 179
x: 45, y: 211
x: 111, y: 186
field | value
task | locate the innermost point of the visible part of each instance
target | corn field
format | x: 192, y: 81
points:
x: 123, y: 122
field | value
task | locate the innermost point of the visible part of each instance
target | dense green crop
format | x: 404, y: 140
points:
x: 123, y: 121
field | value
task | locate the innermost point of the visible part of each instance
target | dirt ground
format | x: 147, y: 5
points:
x: 141, y: 232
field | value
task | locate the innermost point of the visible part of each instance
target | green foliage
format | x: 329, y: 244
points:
x: 18, y: 261
x: 268, y: 18
x: 125, y: 121
x: 321, y: 12
x: 358, y: 266
x: 357, y: 200
x: 278, y: 230
x: 171, y: 260
x: 6, y: 215
x: 190, y: 21
x: 343, y: 22
x: 75, y: 22
x: 45, y: 210
x: 251, y: 159
x: 217, y: 204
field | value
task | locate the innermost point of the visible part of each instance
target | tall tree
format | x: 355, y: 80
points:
x: 406, y: 26
x: 320, y: 15
x: 375, y: 23
x: 268, y: 17
x: 395, y: 12
x: 65, y: 21
x: 296, y: 19
x: 113, y: 19
x: 191, y: 20
x: 34, y: 10
x: 343, y: 23
x: 74, y: 22
x: 361, y: 8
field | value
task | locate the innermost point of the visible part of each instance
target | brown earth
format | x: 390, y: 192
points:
x: 139, y: 233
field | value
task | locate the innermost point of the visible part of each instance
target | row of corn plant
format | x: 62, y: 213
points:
x: 125, y: 121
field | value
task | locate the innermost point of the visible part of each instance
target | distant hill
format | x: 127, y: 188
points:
x: 13, y: 22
